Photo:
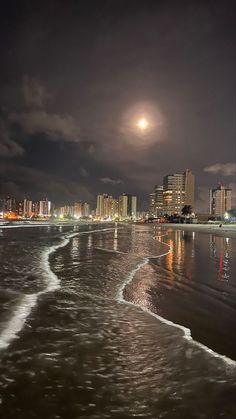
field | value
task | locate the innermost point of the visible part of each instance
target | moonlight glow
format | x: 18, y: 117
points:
x: 142, y: 124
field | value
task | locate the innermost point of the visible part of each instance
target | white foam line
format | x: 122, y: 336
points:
x: 29, y: 225
x: 187, y: 332
x: 21, y: 313
x: 100, y: 230
x: 56, y: 225
x: 16, y: 323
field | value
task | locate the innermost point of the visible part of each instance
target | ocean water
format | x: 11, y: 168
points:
x: 105, y: 321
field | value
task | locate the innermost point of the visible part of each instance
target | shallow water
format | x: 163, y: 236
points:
x: 73, y: 348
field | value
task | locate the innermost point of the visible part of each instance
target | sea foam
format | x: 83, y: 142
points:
x: 29, y: 301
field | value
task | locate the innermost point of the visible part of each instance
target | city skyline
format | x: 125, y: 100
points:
x: 177, y: 191
x: 84, y: 110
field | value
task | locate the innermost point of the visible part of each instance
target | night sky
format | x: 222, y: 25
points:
x: 75, y: 77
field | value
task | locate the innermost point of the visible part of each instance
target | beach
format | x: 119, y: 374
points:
x: 117, y: 322
x: 225, y: 229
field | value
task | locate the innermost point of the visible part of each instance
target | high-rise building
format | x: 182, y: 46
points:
x: 123, y: 206
x: 105, y: 207
x: 99, y: 208
x: 152, y: 204
x: 85, y: 209
x: 67, y: 211
x: 45, y: 208
x: 178, y: 190
x: 133, y: 212
x: 159, y: 200
x: 19, y: 208
x: 1, y: 207
x: 35, y: 208
x: 127, y: 206
x: 173, y: 193
x: 112, y: 208
x: 27, y: 209
x: 78, y: 209
x: 220, y: 200
x: 9, y: 205
x: 189, y: 188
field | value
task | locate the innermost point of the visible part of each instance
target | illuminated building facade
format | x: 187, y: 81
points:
x: 127, y: 206
x: 156, y: 202
x: 107, y: 207
x: 220, y: 200
x: 9, y: 205
x: 178, y: 190
x: 99, y: 208
x: 27, y: 209
x: 44, y: 208
x: 85, y: 209
x: 159, y: 200
x: 189, y: 180
x: 77, y: 212
x: 152, y: 204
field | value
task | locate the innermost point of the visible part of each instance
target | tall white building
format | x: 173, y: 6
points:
x: 220, y: 200
x: 189, y: 179
x: 45, y: 208
x: 85, y: 209
x: 133, y: 208
x: 123, y: 206
x: 27, y: 209
x: 77, y: 209
x: 99, y: 208
x: 127, y: 206
x: 107, y: 207
x: 156, y: 202
x: 178, y: 190
x: 152, y: 204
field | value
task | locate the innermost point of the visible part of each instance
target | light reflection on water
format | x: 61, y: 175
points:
x: 184, y: 250
x: 220, y: 254
x: 194, y: 285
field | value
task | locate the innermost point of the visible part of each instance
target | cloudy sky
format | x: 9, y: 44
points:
x: 75, y: 77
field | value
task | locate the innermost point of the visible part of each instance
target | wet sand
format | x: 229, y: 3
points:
x: 226, y: 230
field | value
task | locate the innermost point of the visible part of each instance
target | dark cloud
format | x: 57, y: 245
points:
x: 53, y: 125
x: 9, y: 188
x: 55, y: 187
x: 35, y: 94
x: 8, y: 147
x: 83, y: 172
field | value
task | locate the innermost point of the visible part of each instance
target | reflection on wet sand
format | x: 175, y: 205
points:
x: 193, y: 284
x: 220, y: 254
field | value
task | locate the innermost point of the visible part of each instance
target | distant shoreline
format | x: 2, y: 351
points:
x: 40, y: 224
x: 225, y: 230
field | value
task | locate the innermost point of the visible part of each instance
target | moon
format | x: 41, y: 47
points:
x: 142, y: 124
